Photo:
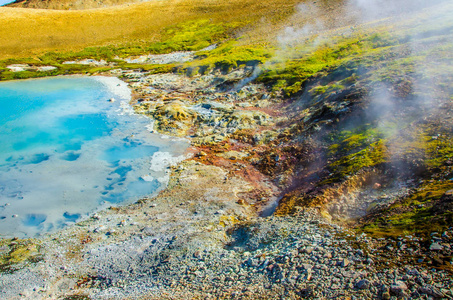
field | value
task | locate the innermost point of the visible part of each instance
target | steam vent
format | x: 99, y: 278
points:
x: 237, y: 149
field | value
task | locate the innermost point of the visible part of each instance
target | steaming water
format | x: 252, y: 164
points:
x: 66, y: 151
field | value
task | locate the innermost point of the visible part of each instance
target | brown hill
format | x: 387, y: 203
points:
x: 70, y: 4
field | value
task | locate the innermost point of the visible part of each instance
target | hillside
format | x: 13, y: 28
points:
x: 30, y: 32
x: 321, y: 141
x: 69, y: 4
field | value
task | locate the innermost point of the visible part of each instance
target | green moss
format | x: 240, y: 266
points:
x: 379, y: 56
x: 371, y: 156
x: 319, y: 90
x: 352, y: 150
x: 420, y: 213
x: 356, y: 139
x: 326, y: 89
x: 229, y: 55
x: 439, y: 150
x: 318, y: 62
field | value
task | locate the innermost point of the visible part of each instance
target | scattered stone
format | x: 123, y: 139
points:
x: 363, y: 284
x: 307, y: 250
x: 435, y: 247
x: 398, y: 288
x: 343, y: 262
x: 99, y: 229
x: 386, y: 295
x: 431, y: 291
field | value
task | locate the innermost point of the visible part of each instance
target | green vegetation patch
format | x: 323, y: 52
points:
x: 426, y: 210
x: 417, y: 148
x: 192, y: 36
x: 229, y: 55
x: 359, y: 137
x: 289, y: 76
x: 383, y: 55
x: 374, y: 154
x: 439, y: 149
x: 352, y: 150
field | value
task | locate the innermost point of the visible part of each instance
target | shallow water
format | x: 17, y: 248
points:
x: 65, y: 152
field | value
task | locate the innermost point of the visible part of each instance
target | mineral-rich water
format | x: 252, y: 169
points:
x: 66, y: 151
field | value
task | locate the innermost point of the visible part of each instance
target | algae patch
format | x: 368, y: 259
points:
x: 16, y: 254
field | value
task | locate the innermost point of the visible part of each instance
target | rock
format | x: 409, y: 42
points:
x: 435, y: 247
x: 306, y: 250
x: 241, y: 202
x: 385, y: 295
x: 449, y: 193
x: 18, y: 67
x: 197, y: 254
x: 99, y: 229
x: 46, y: 68
x: 175, y: 110
x: 243, y: 119
x: 343, y: 262
x: 398, y: 288
x: 363, y: 284
x: 431, y: 291
x: 148, y: 230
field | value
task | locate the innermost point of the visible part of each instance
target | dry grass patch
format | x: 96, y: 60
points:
x: 30, y: 32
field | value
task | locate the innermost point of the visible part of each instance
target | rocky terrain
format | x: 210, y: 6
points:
x: 322, y: 170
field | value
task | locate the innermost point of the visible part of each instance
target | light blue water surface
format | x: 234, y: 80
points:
x: 65, y: 151
x: 3, y: 2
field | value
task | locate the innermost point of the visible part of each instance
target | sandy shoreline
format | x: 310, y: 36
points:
x: 116, y: 86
